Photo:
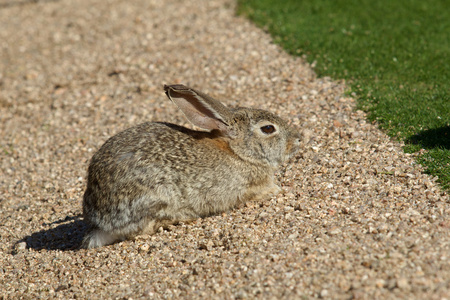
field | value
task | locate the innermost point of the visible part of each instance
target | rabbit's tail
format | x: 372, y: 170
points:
x: 98, y: 238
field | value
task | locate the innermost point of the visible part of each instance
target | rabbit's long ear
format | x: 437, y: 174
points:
x: 200, y: 109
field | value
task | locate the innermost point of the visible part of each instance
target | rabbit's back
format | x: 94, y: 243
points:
x: 160, y: 171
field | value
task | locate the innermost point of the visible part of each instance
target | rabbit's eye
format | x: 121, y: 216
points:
x: 268, y: 129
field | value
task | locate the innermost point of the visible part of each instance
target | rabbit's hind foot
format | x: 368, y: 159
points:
x: 98, y: 238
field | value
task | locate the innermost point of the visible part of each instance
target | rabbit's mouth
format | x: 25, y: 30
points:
x: 292, y: 146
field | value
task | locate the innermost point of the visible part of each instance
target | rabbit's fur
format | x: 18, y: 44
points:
x: 156, y: 174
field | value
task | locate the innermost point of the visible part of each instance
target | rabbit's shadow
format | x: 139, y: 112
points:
x: 68, y: 235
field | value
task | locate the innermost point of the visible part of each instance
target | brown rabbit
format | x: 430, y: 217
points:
x: 155, y: 174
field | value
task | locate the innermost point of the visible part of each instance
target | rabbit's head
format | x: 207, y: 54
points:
x: 254, y: 135
x: 262, y: 136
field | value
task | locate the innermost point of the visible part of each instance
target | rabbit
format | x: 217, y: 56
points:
x: 158, y: 174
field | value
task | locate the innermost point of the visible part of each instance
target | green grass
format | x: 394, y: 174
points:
x: 393, y: 54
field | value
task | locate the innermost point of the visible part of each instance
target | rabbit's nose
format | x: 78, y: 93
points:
x: 297, y: 137
x: 293, y: 145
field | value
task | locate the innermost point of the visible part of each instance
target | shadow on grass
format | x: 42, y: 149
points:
x: 432, y: 138
x: 66, y: 236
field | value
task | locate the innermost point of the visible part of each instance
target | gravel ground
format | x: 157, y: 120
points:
x: 357, y: 218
